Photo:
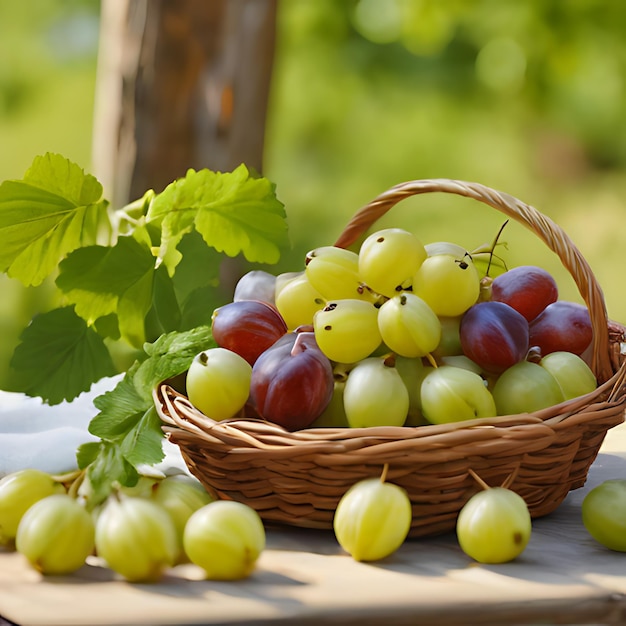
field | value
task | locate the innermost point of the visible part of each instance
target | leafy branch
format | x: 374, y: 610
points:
x: 146, y: 275
x: 123, y: 275
x: 127, y: 424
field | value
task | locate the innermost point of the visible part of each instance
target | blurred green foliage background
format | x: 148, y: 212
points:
x: 526, y: 97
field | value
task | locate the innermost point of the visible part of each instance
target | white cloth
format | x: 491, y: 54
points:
x: 36, y: 435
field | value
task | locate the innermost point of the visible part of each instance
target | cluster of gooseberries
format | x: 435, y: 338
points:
x: 398, y: 334
x: 137, y: 532
x: 373, y: 519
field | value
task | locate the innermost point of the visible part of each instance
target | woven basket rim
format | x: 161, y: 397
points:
x: 177, y: 411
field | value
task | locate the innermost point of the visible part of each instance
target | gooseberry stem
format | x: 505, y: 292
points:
x: 510, y: 478
x: 508, y: 481
x: 390, y: 360
x: 478, y: 479
x: 431, y: 359
x: 67, y: 477
x: 493, y: 246
x: 341, y: 371
x: 383, y: 476
x: 76, y: 483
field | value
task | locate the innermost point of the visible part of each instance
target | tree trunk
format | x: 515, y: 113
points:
x: 181, y: 84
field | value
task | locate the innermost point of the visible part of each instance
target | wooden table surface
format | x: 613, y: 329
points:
x: 303, y: 577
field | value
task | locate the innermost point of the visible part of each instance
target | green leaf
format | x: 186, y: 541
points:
x: 107, y: 326
x: 143, y: 444
x: 165, y: 302
x: 170, y: 356
x: 102, y: 280
x: 127, y: 417
x: 64, y: 178
x: 53, y: 210
x: 198, y: 307
x: 87, y: 453
x: 196, y: 281
x: 59, y: 357
x: 198, y: 267
x: 120, y: 410
x: 489, y: 265
x: 234, y: 212
x: 106, y: 469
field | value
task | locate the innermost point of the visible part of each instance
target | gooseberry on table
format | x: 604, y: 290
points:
x: 604, y: 514
x: 494, y: 525
x: 373, y: 518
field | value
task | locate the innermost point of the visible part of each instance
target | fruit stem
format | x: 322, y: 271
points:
x: 76, y: 483
x: 390, y: 360
x: 341, y: 371
x: 534, y: 354
x: 493, y: 247
x: 383, y: 476
x: 510, y: 478
x: 485, y: 289
x: 431, y: 359
x: 67, y: 477
x: 304, y: 328
x: 299, y: 345
x: 478, y: 479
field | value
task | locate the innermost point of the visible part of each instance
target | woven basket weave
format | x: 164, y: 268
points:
x: 297, y: 478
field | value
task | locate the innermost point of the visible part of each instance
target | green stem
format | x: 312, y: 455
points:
x: 76, y: 483
x: 67, y: 477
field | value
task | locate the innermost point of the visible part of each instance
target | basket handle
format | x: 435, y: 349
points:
x: 547, y: 230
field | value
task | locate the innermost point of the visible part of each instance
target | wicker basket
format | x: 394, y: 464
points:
x: 297, y: 478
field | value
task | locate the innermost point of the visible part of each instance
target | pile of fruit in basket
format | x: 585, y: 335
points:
x: 398, y: 334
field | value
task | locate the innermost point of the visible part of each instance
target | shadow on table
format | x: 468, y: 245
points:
x: 185, y: 581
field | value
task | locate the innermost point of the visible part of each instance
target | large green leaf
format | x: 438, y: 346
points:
x: 143, y: 444
x: 59, y: 357
x: 102, y: 280
x: 198, y: 307
x: 127, y: 423
x: 165, y: 302
x: 119, y: 410
x: 53, y: 210
x: 235, y: 212
x: 169, y: 356
x: 199, y: 266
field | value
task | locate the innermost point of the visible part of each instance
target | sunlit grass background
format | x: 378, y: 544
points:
x: 528, y: 98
